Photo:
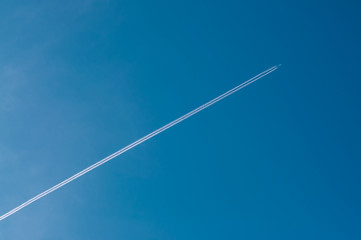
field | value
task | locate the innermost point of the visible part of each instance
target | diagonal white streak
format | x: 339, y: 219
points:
x: 141, y: 140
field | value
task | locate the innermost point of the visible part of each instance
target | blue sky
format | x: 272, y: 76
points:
x: 278, y: 160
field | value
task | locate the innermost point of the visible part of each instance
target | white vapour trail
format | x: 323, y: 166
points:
x: 141, y: 140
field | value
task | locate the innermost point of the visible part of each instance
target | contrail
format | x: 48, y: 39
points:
x: 141, y: 140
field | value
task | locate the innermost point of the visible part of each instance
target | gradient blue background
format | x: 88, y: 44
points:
x: 278, y: 160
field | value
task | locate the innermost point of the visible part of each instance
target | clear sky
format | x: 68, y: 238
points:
x: 278, y: 160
